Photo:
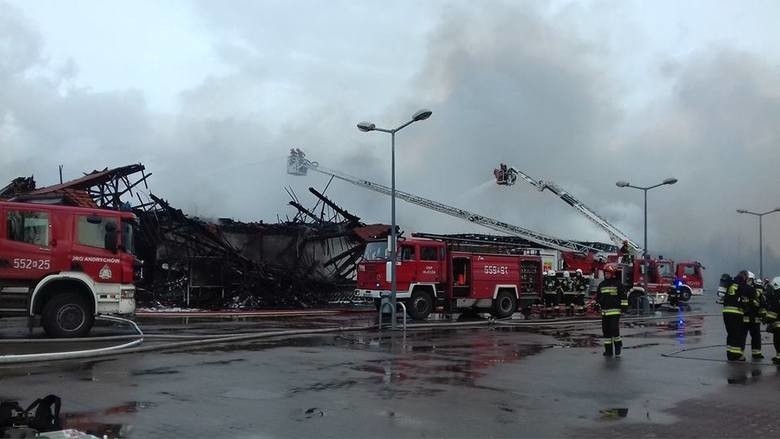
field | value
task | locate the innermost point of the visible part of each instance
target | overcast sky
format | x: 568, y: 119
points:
x: 211, y: 95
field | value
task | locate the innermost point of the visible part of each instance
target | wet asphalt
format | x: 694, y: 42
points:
x: 489, y: 381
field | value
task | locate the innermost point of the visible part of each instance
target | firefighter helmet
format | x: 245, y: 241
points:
x: 775, y: 283
x: 566, y: 274
x: 578, y: 271
x: 760, y: 282
x: 610, y: 268
x: 751, y: 275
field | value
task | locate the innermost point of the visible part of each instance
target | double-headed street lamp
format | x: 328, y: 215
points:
x: 368, y: 126
x: 760, y: 236
x: 666, y: 181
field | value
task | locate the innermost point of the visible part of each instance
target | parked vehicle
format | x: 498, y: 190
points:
x: 429, y: 274
x: 66, y: 265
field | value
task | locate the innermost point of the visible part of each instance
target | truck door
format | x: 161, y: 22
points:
x: 26, y: 244
x: 406, y: 267
x: 461, y: 276
x: 92, y: 252
x: 429, y: 269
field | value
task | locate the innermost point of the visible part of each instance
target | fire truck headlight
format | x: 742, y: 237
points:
x: 128, y: 294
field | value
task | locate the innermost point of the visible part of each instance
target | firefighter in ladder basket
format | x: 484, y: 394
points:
x: 611, y: 297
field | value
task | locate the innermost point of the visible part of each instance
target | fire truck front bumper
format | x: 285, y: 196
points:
x: 658, y: 299
x: 378, y: 294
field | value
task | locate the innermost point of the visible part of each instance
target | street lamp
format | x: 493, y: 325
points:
x: 666, y: 181
x: 368, y: 126
x: 760, y: 236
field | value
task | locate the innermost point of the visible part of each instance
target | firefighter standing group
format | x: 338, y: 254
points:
x: 746, y: 304
x: 564, y: 294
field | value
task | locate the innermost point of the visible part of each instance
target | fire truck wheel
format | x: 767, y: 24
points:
x: 420, y: 304
x: 685, y: 294
x: 504, y: 305
x: 67, y: 315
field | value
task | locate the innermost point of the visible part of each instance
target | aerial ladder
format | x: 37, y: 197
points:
x: 298, y: 164
x: 507, y: 176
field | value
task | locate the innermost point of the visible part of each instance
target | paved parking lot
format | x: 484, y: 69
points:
x: 490, y: 381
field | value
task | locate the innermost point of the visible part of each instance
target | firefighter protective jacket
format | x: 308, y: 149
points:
x: 549, y: 285
x: 755, y: 306
x: 736, y: 298
x: 611, y: 297
x: 581, y: 284
x: 772, y: 309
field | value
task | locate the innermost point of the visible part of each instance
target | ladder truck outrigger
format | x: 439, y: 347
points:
x: 664, y: 278
x: 435, y: 273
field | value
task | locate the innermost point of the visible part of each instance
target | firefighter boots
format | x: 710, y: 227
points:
x: 608, y: 348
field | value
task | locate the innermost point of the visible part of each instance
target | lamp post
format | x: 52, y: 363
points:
x: 666, y: 181
x: 368, y: 126
x: 760, y: 236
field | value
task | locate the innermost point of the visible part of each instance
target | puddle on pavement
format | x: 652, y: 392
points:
x: 156, y: 371
x: 220, y: 362
x: 253, y: 394
x: 432, y: 361
x: 745, y: 378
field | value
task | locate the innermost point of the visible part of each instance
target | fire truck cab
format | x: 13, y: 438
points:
x: 430, y: 274
x: 690, y: 279
x: 66, y: 265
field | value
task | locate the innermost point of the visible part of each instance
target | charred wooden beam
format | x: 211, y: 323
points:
x: 348, y: 216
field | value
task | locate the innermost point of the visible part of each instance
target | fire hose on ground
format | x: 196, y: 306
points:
x: 196, y: 341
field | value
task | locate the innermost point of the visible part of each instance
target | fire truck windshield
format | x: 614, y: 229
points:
x: 375, y: 251
x: 665, y: 270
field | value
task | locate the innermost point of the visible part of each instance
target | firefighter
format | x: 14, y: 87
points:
x: 754, y: 311
x: 771, y: 317
x: 734, y: 301
x: 611, y: 297
x: 566, y: 290
x: 581, y: 284
x: 723, y: 286
x: 550, y: 294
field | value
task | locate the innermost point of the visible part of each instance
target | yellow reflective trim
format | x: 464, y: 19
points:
x: 610, y: 312
x: 732, y: 310
x: 624, y: 303
x: 771, y: 315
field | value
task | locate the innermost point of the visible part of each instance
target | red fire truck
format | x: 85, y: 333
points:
x: 66, y: 265
x: 430, y: 273
x: 666, y: 282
